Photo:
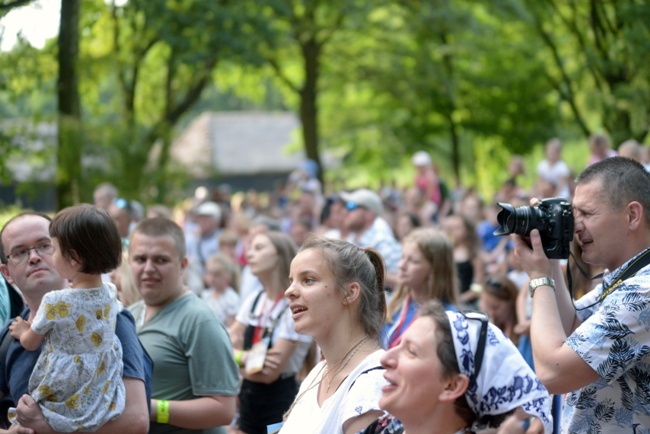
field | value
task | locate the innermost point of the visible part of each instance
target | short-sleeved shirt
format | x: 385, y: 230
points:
x: 192, y: 355
x: 263, y: 314
x: 223, y: 305
x: 380, y: 238
x: 17, y: 368
x: 614, y: 339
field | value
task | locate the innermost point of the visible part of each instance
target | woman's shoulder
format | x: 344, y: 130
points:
x: 387, y: 424
x: 369, y: 370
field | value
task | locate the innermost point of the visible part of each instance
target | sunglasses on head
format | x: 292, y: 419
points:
x: 482, y: 338
x: 351, y: 206
x: 123, y: 204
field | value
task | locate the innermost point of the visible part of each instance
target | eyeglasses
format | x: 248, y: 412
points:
x: 482, y: 338
x: 21, y: 255
x: 351, y: 206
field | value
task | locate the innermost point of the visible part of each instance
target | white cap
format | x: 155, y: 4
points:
x: 421, y: 158
x: 209, y: 209
x: 364, y: 197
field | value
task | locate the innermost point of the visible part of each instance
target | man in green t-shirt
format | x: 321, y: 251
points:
x: 195, y: 378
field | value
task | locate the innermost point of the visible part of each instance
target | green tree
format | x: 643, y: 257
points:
x: 446, y: 77
x: 70, y: 140
x: 161, y: 56
x: 599, y: 66
x: 295, y: 41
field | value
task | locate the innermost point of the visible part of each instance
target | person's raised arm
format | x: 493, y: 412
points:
x: 198, y: 413
x: 559, y: 368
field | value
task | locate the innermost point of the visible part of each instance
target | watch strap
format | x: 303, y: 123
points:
x: 541, y: 281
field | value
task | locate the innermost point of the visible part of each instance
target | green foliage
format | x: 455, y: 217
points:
x: 470, y: 82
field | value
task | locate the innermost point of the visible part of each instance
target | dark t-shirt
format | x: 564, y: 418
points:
x: 14, y: 376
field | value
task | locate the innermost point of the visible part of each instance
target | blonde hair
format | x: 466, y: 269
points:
x: 128, y: 289
x: 437, y: 249
x: 228, y: 266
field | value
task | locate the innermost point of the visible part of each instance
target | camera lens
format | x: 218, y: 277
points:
x: 520, y: 220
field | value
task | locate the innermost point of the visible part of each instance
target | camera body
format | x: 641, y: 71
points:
x: 552, y: 217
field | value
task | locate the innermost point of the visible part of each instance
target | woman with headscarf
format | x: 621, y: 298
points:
x: 456, y: 373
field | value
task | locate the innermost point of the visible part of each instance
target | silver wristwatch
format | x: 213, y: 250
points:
x: 542, y: 281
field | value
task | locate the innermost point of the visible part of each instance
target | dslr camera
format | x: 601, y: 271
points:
x: 552, y: 217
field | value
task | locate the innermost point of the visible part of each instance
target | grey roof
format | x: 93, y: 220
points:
x: 240, y: 143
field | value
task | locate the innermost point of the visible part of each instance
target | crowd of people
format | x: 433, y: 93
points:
x: 356, y: 311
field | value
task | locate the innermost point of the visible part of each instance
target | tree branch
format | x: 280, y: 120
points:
x: 281, y: 75
x: 14, y: 4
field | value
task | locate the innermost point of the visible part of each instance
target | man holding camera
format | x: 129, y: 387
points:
x: 598, y: 349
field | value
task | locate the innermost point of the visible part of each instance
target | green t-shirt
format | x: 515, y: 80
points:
x: 192, y: 355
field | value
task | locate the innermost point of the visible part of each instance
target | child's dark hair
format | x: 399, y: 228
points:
x: 89, y: 236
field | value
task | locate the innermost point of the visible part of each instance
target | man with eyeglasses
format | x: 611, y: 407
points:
x: 26, y: 255
x: 598, y: 349
x: 368, y: 229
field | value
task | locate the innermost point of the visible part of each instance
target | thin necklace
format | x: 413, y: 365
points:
x: 313, y: 383
x: 341, y: 364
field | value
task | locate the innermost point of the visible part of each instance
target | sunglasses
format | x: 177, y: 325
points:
x: 482, y: 339
x: 351, y: 206
x: 123, y: 204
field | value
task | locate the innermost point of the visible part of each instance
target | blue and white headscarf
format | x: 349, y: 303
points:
x: 505, y: 381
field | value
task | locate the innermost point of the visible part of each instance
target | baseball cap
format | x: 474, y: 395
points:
x: 363, y: 197
x: 421, y: 158
x: 209, y: 209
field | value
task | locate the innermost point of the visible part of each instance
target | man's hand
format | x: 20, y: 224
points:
x: 18, y: 327
x: 532, y: 258
x: 17, y: 429
x: 29, y: 414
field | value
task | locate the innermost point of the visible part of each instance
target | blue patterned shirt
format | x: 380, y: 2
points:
x: 614, y: 339
x: 380, y: 237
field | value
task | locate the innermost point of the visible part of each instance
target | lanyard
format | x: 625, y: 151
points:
x: 630, y: 271
x: 637, y: 264
x: 260, y: 330
x: 399, y: 328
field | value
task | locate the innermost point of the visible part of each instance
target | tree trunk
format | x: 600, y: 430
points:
x: 308, y: 102
x: 68, y: 173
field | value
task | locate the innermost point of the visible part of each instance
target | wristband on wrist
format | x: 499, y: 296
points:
x: 239, y: 356
x: 162, y: 411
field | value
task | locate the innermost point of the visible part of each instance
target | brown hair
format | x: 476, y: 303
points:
x: 505, y: 290
x: 286, y: 248
x: 162, y: 227
x: 438, y: 251
x: 350, y: 263
x: 89, y: 236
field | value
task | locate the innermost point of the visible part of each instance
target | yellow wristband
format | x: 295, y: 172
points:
x: 162, y: 411
x: 239, y: 354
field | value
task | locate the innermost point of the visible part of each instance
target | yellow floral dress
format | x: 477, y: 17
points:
x: 77, y: 380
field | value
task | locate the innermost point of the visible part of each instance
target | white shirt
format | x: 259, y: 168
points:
x: 358, y: 394
x: 265, y: 314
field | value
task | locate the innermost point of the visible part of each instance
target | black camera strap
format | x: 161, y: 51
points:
x: 635, y: 266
